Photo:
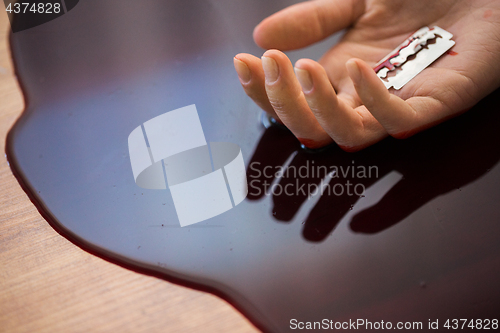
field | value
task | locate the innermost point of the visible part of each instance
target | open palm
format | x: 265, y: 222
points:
x: 340, y: 98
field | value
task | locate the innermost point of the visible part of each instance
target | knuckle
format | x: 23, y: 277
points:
x: 278, y: 104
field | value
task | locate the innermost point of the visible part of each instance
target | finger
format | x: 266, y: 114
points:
x: 286, y: 97
x: 340, y: 191
x: 392, y: 208
x: 274, y: 148
x: 400, y: 118
x: 251, y: 75
x: 295, y: 187
x: 323, y: 219
x: 352, y: 129
x: 334, y: 61
x: 305, y: 23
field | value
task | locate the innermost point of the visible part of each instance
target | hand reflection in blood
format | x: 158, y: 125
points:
x: 432, y: 163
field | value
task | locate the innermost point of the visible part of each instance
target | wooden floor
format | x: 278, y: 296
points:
x: 48, y: 284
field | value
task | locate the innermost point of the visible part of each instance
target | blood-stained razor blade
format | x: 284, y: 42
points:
x: 411, y: 57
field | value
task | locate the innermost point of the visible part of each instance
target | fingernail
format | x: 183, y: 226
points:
x: 243, y: 71
x: 271, y: 69
x: 353, y: 69
x: 304, y: 78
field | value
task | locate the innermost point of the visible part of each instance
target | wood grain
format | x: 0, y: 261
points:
x: 47, y: 284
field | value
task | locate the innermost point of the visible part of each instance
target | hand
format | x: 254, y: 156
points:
x: 340, y: 98
x: 451, y: 158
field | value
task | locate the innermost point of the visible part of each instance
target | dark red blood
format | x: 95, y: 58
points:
x: 451, y: 52
x: 314, y: 144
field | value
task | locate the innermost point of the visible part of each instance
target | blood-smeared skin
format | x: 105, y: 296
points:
x: 314, y: 144
x: 409, y: 133
x: 451, y: 52
x: 487, y: 14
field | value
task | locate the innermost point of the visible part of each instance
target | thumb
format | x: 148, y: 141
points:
x: 305, y: 23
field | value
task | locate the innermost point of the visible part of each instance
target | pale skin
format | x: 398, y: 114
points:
x: 339, y: 98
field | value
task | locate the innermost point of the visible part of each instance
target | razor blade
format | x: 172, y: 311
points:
x: 412, y: 56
